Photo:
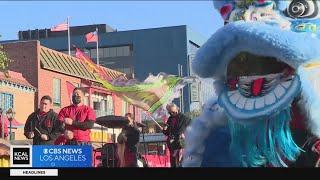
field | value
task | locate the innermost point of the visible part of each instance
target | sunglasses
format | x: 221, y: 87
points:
x: 172, y: 113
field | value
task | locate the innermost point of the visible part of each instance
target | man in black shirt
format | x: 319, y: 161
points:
x: 42, y: 125
x: 174, y: 129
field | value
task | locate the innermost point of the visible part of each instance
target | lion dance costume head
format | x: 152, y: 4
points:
x: 265, y: 63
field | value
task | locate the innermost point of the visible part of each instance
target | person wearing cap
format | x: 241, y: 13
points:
x: 174, y: 129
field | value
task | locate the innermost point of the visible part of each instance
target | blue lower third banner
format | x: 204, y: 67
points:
x: 61, y: 156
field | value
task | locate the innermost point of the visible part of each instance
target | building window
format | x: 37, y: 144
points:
x: 105, y: 52
x: 96, y: 106
x: 93, y: 53
x: 126, y: 50
x: 56, y: 92
x: 120, y: 51
x: 112, y: 52
x: 101, y: 52
x: 124, y: 107
x: 104, y: 105
x: 110, y: 105
x: 117, y: 58
x: 6, y: 101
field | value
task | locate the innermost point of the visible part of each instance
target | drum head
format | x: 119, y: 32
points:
x: 140, y: 163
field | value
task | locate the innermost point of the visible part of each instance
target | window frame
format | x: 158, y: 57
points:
x: 5, y: 104
x: 56, y: 92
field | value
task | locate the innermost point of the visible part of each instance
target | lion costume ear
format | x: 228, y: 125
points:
x: 310, y: 81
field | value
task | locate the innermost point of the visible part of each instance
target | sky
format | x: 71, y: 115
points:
x: 199, y: 15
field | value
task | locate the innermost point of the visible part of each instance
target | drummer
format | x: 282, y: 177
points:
x: 78, y: 119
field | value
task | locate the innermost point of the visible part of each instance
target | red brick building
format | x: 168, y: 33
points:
x: 49, y: 71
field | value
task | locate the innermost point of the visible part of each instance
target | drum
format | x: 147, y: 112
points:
x: 141, y: 161
x: 109, y: 157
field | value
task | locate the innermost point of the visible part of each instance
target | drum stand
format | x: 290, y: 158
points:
x: 144, y: 143
x: 98, y: 149
x: 114, y: 145
x: 144, y: 146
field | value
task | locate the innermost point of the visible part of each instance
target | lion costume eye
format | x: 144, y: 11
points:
x: 302, y: 9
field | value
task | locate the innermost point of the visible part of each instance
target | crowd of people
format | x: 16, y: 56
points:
x: 73, y: 124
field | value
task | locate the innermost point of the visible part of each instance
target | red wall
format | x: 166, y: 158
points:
x: 117, y: 102
x: 46, y: 86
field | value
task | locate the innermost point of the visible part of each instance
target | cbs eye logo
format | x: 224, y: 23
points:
x: 21, y: 156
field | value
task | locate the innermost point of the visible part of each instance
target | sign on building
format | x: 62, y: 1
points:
x: 190, y: 59
x: 195, y: 92
x: 194, y: 87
